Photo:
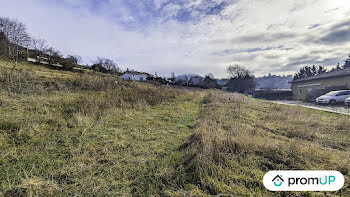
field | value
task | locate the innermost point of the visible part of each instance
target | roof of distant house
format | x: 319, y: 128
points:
x: 331, y: 74
x: 136, y: 73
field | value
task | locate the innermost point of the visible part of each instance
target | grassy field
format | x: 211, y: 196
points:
x: 89, y: 134
x: 238, y: 139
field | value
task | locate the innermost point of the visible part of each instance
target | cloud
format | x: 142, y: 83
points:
x: 298, y: 62
x: 199, y: 36
x: 265, y: 37
x: 316, y: 57
x: 249, y: 50
x: 338, y: 34
x: 314, y: 26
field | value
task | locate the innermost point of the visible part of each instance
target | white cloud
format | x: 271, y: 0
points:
x: 146, y: 41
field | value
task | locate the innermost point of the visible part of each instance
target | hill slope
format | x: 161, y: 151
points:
x: 90, y: 134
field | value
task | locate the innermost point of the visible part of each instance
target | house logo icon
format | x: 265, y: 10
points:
x: 277, y: 181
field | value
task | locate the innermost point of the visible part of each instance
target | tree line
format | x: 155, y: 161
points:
x: 309, y: 71
x: 16, y: 44
x: 240, y: 80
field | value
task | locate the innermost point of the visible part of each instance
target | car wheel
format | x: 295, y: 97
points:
x: 332, y: 102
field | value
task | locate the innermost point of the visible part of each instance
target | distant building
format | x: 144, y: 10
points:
x: 310, y: 88
x: 135, y: 76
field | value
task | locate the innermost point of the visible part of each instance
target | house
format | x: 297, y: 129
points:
x: 135, y: 76
x: 310, y: 88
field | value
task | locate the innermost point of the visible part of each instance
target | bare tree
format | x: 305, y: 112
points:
x: 17, y: 36
x: 5, y: 30
x: 70, y: 61
x: 106, y: 65
x: 55, y: 55
x: 3, y: 43
x: 75, y: 59
x: 238, y: 71
x: 39, y: 45
x: 241, y: 80
x: 210, y: 76
x: 209, y: 81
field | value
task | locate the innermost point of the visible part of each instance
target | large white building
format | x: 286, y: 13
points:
x: 135, y: 76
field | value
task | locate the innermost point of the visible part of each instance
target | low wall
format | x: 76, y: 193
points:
x: 273, y: 94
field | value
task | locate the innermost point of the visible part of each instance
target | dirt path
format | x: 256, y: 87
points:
x: 150, y: 142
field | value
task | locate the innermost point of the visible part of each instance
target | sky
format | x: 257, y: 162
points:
x: 192, y: 36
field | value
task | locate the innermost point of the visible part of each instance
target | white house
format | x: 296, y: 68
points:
x: 135, y: 76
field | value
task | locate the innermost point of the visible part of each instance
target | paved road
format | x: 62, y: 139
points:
x: 340, y: 109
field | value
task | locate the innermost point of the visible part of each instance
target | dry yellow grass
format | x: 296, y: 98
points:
x: 89, y: 134
x: 83, y: 134
x: 238, y: 139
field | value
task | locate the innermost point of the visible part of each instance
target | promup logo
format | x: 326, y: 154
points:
x: 303, y: 180
x: 277, y: 181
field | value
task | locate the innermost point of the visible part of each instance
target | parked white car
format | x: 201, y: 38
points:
x: 333, y: 97
x: 347, y: 102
